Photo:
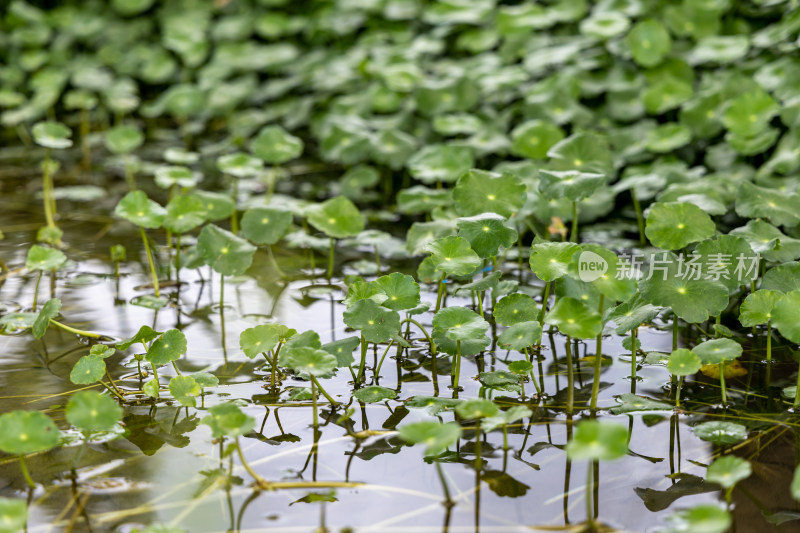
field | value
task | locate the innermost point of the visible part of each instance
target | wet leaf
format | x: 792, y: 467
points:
x: 260, y: 339
x: 521, y: 335
x: 550, y: 260
x: 374, y: 394
x: 435, y: 436
x: 453, y: 255
x: 598, y: 441
x: 704, y: 518
x: 227, y: 253
x: 89, y: 369
x: 276, y: 146
x: 477, y: 408
x: 486, y: 233
x: 49, y: 311
x: 728, y: 470
x: 138, y: 209
x: 786, y: 316
x: 673, y: 225
x: 631, y: 403
x: 515, y: 308
x: 91, y: 411
x: 722, y: 433
x: 167, y: 348
x: 683, y: 362
x: 337, y: 218
x: 311, y: 361
x: 23, y: 432
x: 479, y: 191
x: 52, y: 135
x: 184, y: 389
x: 460, y: 324
x: 714, y: 351
x: 262, y: 225
x: 123, y: 139
x: 376, y: 323
x: 574, y: 319
x: 44, y: 258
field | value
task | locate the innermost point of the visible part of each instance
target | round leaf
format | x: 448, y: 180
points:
x: 91, y: 411
x: 338, y: 218
x: 225, y: 252
x: 138, y: 209
x: 23, y: 432
x: 598, y: 441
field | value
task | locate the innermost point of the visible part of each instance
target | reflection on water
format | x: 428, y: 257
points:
x: 167, y: 469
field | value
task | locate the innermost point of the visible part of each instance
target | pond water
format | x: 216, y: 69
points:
x: 165, y: 468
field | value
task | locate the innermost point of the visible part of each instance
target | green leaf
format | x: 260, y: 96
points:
x: 169, y: 176
x: 683, y: 362
x: 143, y: 336
x: 123, y: 139
x: 673, y: 225
x: 782, y: 208
x: 795, y: 488
x: 435, y: 436
x: 276, y: 146
x: 721, y: 433
x: 649, y: 42
x: 401, y: 291
x: 342, y: 350
x: 240, y: 165
x: 89, y: 369
x: 440, y: 163
x: 784, y: 278
x: 720, y: 49
x: 205, y: 379
x: 311, y: 361
x: 769, y: 241
x: 260, y: 339
x: 520, y: 368
x: 49, y: 310
x: 574, y: 319
x: 227, y: 253
x: 167, y: 348
x: 152, y: 388
x: 218, y: 206
x: 668, y: 138
x: 757, y: 308
x: 521, y: 335
x: 44, y: 258
x: 227, y: 420
x: 632, y: 313
x: 786, y: 316
x: 550, y: 260
x: 704, y: 518
x: 23, y: 432
x: 421, y: 199
x: 750, y: 113
x: 262, y: 225
x: 571, y: 184
x: 138, y: 209
x: 534, y: 138
x: 374, y: 394
x: 184, y: 213
x: 605, y: 24
x: 515, y: 308
x: 714, y: 351
x: 584, y: 152
x: 728, y: 470
x: 486, y: 233
x: 476, y: 408
x: 102, y: 350
x: 364, y: 290
x: 453, y: 255
x: 184, y: 389
x: 693, y: 300
x: 598, y: 441
x: 13, y: 515
x: 91, y: 411
x: 337, y: 217
x: 376, y: 323
x: 460, y: 324
x: 479, y: 191
x: 52, y: 135
x: 721, y: 258
x: 631, y: 403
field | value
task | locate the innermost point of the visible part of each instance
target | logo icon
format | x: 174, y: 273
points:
x: 591, y: 266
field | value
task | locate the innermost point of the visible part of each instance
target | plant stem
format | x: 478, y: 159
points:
x: 797, y: 391
x: 314, y: 401
x: 222, y: 312
x: 259, y: 480
x: 589, y: 489
x: 377, y: 259
x: 47, y: 191
x: 447, y: 500
x: 634, y: 337
x: 330, y: 259
x: 533, y: 376
x: 639, y: 218
x: 598, y: 359
x: 545, y: 297
x: 36, y: 291
x: 722, y: 382
x: 678, y: 392
x: 574, y: 235
x: 674, y: 332
x: 155, y: 377
x: 86, y: 148
x: 769, y: 353
x: 323, y: 391
x: 363, y: 363
x: 25, y: 473
x: 75, y: 331
x: 457, y: 369
x: 234, y: 213
x: 380, y: 363
x: 150, y: 262
x: 440, y: 293
x: 570, y: 378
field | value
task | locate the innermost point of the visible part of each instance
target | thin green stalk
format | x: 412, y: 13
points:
x: 769, y: 353
x: 25, y: 473
x: 155, y: 376
x: 797, y: 391
x: 722, y: 382
x: 380, y: 364
x: 447, y: 500
x: 639, y: 218
x: 570, y: 378
x: 457, y: 368
x: 589, y: 489
x: 533, y: 376
x: 75, y: 331
x: 598, y: 358
x: 314, y: 402
x: 47, y: 191
x: 150, y: 262
x: 440, y: 293
x: 234, y: 213
x: 377, y: 259
x: 328, y: 397
x: 674, y: 332
x: 634, y: 336
x: 259, y: 480
x: 36, y: 291
x: 86, y: 148
x: 545, y: 297
x: 330, y: 259
x: 222, y: 313
x: 574, y: 235
x: 678, y: 392
x: 363, y: 364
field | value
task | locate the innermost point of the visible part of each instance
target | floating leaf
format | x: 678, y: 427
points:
x: 683, y: 362
x: 89, y: 369
x: 227, y: 420
x: 276, y: 146
x: 453, y: 255
x: 52, y: 135
x: 598, y: 441
x: 435, y: 436
x: 573, y: 318
x: 227, y: 253
x: 262, y: 225
x: 172, y: 176
x: 91, y: 411
x: 721, y: 433
x: 49, y: 311
x: 479, y: 191
x: 217, y: 205
x: 631, y: 403
x: 374, y: 394
x: 486, y: 233
x: 138, y: 209
x: 167, y: 348
x: 338, y: 218
x: 673, y: 225
x: 515, y: 308
x: 376, y: 323
x: 632, y: 313
x: 476, y: 408
x: 23, y: 432
x: 44, y: 258
x: 184, y: 213
x: 342, y: 350
x: 184, y: 389
x: 143, y: 336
